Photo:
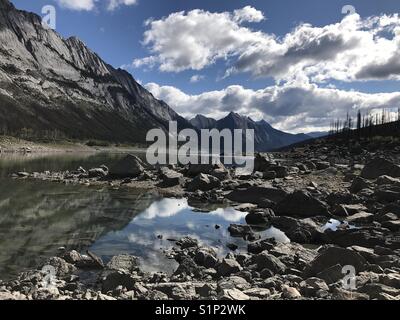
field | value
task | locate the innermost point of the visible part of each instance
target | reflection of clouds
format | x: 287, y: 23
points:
x: 229, y: 214
x: 140, y: 239
x: 175, y: 219
x: 190, y: 225
x: 155, y: 261
x: 165, y: 208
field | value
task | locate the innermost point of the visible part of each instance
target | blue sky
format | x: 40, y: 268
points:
x: 117, y: 36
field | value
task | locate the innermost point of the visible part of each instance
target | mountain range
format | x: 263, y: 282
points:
x: 266, y: 137
x: 59, y: 88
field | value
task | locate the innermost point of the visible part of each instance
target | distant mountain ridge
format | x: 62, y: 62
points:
x: 59, y: 87
x: 267, y: 138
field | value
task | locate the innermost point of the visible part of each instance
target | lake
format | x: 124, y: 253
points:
x: 38, y: 217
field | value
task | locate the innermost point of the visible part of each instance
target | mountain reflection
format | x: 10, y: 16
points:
x: 38, y: 217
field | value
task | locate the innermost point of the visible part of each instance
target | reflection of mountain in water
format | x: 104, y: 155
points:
x: 38, y: 217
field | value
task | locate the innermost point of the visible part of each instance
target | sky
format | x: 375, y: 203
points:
x: 296, y: 64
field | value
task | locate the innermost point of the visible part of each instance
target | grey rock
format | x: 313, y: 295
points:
x: 187, y: 242
x: 118, y: 278
x: 196, y: 169
x: 233, y: 294
x: 332, y: 256
x: 301, y: 204
x: 97, y: 173
x: 262, y: 196
x: 171, y: 178
x: 203, y: 182
x: 128, y: 167
x: 379, y: 167
x: 387, y: 180
x: 268, y: 261
x: 259, y: 217
x: 233, y: 282
x: 123, y: 262
x: 359, y: 184
x: 206, y: 257
x: 310, y: 286
x: 227, y: 267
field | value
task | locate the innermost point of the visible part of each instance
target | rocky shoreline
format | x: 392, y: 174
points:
x: 339, y: 206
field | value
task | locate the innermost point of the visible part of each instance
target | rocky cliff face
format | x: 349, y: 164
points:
x: 55, y: 86
x: 202, y: 122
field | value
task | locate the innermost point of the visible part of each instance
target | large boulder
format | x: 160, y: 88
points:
x: 344, y: 210
x: 203, y: 182
x: 171, y: 178
x: 332, y: 256
x: 301, y: 204
x: 242, y: 231
x: 379, y: 167
x: 128, y: 167
x: 116, y: 279
x: 387, y: 193
x: 262, y: 196
x: 260, y: 246
x: 195, y: 169
x: 262, y: 162
x: 388, y: 180
x: 228, y: 267
x: 280, y: 171
x: 359, y: 184
x: 206, y: 257
x: 364, y: 237
x: 265, y: 260
x: 298, y: 230
x: 260, y: 217
x: 97, y: 173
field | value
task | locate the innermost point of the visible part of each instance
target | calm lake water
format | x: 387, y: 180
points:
x: 38, y: 217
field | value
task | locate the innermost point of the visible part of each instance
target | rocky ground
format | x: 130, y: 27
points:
x: 297, y: 191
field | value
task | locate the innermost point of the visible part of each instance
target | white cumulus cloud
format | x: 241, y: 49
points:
x: 198, y: 38
x: 353, y: 49
x: 79, y: 5
x: 296, y: 106
x: 89, y: 5
x: 196, y: 78
x: 115, y: 4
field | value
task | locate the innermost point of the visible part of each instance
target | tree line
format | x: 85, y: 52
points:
x: 364, y: 125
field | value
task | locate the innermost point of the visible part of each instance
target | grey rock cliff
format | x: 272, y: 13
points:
x: 49, y: 84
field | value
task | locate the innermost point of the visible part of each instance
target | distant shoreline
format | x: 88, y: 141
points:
x: 10, y: 145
